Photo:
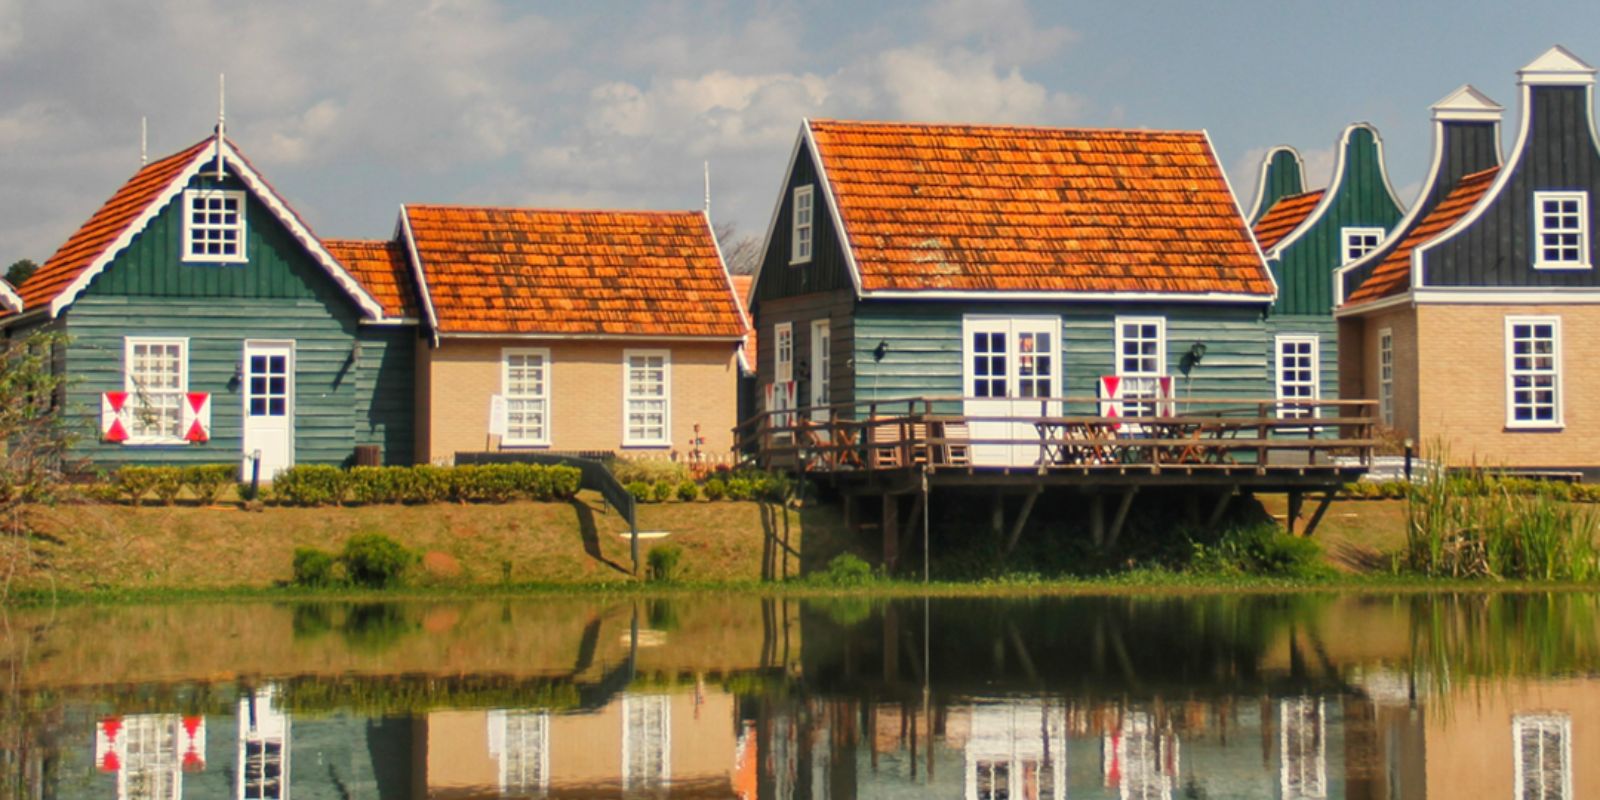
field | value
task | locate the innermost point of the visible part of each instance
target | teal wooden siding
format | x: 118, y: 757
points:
x: 1305, y: 268
x: 1284, y: 177
x: 344, y: 395
x: 925, y: 346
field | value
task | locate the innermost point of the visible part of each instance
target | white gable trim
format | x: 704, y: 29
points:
x: 415, y: 259
x: 1261, y: 258
x: 9, y: 300
x: 258, y: 187
x: 1335, y: 185
x: 738, y: 302
x: 1261, y: 179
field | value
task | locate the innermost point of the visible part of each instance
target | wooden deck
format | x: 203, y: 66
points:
x: 1217, y: 447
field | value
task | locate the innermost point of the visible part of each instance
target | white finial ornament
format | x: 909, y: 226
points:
x: 222, y: 117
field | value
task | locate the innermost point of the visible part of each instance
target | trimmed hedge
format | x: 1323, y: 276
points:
x: 316, y: 485
x: 1510, y: 485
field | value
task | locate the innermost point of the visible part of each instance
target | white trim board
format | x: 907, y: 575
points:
x: 9, y: 299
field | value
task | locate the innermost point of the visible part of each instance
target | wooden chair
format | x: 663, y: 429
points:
x: 955, y: 451
x: 884, y: 440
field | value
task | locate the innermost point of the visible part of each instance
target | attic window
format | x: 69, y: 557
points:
x: 1561, y: 230
x: 1359, y: 242
x: 213, y: 226
x: 804, y: 213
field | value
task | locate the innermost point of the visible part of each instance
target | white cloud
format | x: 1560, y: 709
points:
x: 1005, y: 26
x: 962, y: 86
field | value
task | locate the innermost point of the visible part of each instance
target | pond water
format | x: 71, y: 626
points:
x: 728, y: 696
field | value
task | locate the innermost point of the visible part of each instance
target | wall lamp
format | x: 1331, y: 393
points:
x: 881, y: 350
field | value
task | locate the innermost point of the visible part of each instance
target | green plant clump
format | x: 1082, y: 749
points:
x: 846, y: 569
x: 715, y: 489
x: 1472, y: 524
x: 688, y: 491
x: 134, y: 482
x: 663, y: 562
x: 316, y: 568
x: 661, y: 492
x: 310, y: 485
x: 1261, y: 550
x: 208, y: 481
x: 376, y: 561
x: 649, y: 470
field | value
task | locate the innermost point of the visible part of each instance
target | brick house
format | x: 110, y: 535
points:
x: 1474, y: 321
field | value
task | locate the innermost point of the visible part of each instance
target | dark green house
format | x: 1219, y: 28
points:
x: 206, y: 323
x: 1306, y: 237
x: 1007, y: 266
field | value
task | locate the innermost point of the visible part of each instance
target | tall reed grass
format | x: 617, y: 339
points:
x: 1471, y: 524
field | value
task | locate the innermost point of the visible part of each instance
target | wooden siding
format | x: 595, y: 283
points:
x: 838, y: 308
x: 1498, y: 249
x: 1283, y: 179
x: 1305, y: 268
x: 827, y: 270
x: 925, y: 346
x: 1464, y: 148
x: 383, y: 400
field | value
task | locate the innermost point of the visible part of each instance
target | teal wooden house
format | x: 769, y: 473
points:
x: 1307, y: 236
x: 1006, y: 266
x: 206, y: 323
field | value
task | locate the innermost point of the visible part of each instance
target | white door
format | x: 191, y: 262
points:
x: 1012, y: 366
x: 268, y: 406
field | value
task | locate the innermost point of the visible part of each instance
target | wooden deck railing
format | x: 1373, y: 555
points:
x: 933, y: 431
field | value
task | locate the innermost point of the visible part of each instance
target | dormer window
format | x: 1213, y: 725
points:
x: 213, y: 226
x: 1359, y: 242
x: 1561, y: 230
x: 804, y: 213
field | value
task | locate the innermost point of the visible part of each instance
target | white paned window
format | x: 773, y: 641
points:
x: 648, y: 385
x: 1543, y: 757
x: 804, y: 217
x: 1358, y: 242
x: 156, y: 376
x: 1561, y: 230
x: 1298, y: 363
x: 525, y: 383
x: 821, y: 368
x: 1386, y: 376
x: 1141, y: 358
x: 213, y: 225
x: 646, y: 741
x: 1533, y: 372
x: 519, y: 741
x: 1302, y: 738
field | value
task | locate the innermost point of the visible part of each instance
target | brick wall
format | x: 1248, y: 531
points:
x: 586, y: 395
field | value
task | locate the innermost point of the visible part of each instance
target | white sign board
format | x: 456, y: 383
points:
x: 498, y: 415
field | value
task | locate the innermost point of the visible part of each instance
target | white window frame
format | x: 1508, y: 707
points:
x: 189, y: 226
x: 782, y: 368
x: 1348, y: 238
x: 1280, y: 384
x: 519, y: 742
x: 1540, y: 231
x: 821, y: 368
x: 136, y: 394
x: 1525, y: 723
x: 800, y: 250
x: 505, y: 391
x: 1386, y: 376
x: 1141, y: 394
x: 1557, y: 414
x: 654, y: 733
x: 1303, y: 743
x: 628, y: 398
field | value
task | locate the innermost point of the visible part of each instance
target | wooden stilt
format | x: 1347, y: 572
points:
x: 1316, y: 516
x: 1295, y: 500
x: 1097, y: 518
x: 997, y: 514
x: 1022, y: 519
x: 1223, y: 499
x: 1123, y: 507
x: 891, y: 531
x: 849, y: 501
x: 918, y: 508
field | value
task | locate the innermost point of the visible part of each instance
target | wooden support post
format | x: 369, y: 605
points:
x: 1322, y: 508
x: 1295, y: 499
x: 1097, y: 518
x: 1223, y: 499
x: 997, y: 514
x: 890, y: 531
x: 1022, y: 518
x: 919, y: 507
x: 1123, y: 508
x: 850, y: 520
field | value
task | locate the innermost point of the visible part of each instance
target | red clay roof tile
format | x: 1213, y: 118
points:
x: 1284, y: 216
x: 533, y: 271
x: 381, y: 267
x: 987, y: 208
x: 1392, y: 276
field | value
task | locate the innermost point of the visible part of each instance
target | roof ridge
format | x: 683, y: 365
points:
x: 552, y: 210
x: 1009, y: 126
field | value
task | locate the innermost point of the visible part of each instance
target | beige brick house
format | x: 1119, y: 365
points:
x: 1475, y: 321
x: 571, y: 332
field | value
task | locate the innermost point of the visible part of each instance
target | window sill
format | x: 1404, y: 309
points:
x: 1535, y: 427
x: 214, y: 261
x: 645, y: 445
x: 799, y: 262
x: 523, y: 444
x: 173, y: 442
x: 1562, y: 266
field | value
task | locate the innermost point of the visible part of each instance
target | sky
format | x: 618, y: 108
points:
x: 353, y: 107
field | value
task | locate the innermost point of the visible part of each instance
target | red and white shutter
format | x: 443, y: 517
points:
x: 108, y: 745
x: 1110, y: 395
x: 197, y: 417
x: 114, y: 417
x: 194, y: 744
x: 1167, y: 395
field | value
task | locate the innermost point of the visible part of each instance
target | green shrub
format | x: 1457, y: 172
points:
x: 688, y: 491
x: 315, y: 568
x: 663, y: 560
x: 1262, y: 549
x: 134, y: 482
x: 310, y: 485
x: 715, y: 489
x: 426, y: 483
x: 374, y: 485
x: 376, y: 561
x: 649, y: 470
x: 661, y: 492
x: 846, y: 569
x: 167, y: 483
x: 564, y: 482
x: 642, y: 492
x: 740, y: 489
x: 208, y: 481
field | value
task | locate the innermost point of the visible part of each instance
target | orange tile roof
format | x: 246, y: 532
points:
x: 742, y: 286
x: 105, y: 226
x: 381, y: 267
x: 981, y: 208
x: 1393, y: 274
x: 514, y: 270
x: 1284, y: 216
